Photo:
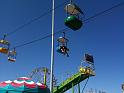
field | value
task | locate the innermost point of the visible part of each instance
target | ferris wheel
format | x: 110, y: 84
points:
x: 42, y: 75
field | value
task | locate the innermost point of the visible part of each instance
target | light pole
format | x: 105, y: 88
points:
x: 52, y: 49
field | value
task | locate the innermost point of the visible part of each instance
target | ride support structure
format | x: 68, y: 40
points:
x: 86, y: 70
x: 75, y: 79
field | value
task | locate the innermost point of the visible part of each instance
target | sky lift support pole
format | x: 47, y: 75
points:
x: 52, y: 49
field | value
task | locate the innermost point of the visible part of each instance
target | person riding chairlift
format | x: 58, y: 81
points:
x: 64, y: 50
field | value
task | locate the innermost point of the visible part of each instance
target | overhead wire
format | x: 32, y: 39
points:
x: 33, y: 20
x: 66, y: 29
x: 39, y: 39
x: 102, y: 12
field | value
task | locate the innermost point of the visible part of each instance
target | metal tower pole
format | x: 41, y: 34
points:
x: 52, y: 49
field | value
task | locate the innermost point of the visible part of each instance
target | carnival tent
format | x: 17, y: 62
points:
x: 23, y: 85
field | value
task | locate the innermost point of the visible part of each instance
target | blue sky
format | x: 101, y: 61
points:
x: 101, y: 37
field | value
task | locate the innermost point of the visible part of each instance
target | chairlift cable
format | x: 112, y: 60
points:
x: 36, y: 40
x: 33, y: 20
x: 102, y: 12
x: 65, y: 29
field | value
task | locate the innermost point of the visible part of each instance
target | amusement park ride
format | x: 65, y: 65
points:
x: 86, y: 71
x: 74, y: 22
x: 5, y: 49
x: 4, y: 45
x: 42, y: 75
x: 62, y: 45
x: 83, y: 73
x: 73, y: 19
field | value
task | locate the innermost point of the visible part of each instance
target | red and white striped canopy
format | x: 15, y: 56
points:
x: 22, y: 81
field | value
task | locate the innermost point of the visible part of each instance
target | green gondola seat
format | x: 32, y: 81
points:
x: 73, y: 22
